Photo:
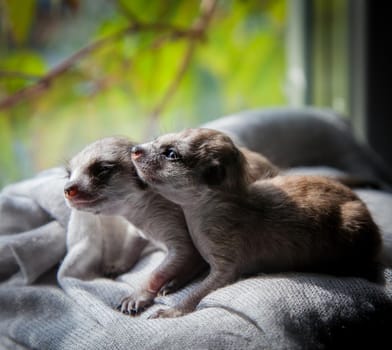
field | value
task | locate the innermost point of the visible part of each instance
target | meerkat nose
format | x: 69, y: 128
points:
x: 137, y: 152
x: 71, y: 190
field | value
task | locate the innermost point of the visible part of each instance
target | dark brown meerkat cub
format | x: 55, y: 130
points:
x: 301, y: 223
x: 103, y: 180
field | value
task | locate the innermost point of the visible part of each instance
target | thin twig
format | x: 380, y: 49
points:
x: 158, y: 109
x: 199, y: 27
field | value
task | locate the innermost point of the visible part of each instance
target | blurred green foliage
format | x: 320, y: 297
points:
x: 114, y: 89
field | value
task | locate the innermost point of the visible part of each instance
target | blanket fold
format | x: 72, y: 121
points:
x: 27, y: 256
x: 33, y: 220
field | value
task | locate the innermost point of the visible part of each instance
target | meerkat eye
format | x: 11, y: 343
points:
x: 171, y: 154
x: 101, y: 170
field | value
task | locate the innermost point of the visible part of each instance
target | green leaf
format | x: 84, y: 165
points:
x: 21, y: 62
x: 20, y: 18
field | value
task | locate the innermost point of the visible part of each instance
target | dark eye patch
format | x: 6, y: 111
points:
x: 102, y: 170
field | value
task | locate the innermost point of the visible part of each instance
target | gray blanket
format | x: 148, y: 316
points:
x: 39, y: 310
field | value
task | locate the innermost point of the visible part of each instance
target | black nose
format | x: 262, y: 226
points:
x: 137, y: 152
x: 71, y: 190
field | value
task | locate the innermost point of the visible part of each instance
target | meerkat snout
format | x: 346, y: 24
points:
x: 137, y: 152
x: 71, y: 190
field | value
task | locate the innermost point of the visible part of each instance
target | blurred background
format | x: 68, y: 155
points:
x: 72, y: 71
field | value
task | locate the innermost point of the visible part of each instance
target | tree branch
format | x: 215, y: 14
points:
x: 44, y: 82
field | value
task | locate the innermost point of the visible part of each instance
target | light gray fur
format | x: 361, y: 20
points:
x: 99, y: 245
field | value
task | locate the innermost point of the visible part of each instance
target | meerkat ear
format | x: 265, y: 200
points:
x: 214, y: 173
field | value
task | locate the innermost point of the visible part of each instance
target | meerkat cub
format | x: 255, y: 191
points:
x: 103, y: 180
x: 283, y: 223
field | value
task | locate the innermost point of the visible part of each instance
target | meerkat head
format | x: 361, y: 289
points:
x: 102, y: 177
x: 188, y: 160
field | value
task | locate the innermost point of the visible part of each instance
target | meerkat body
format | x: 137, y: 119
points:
x: 288, y: 223
x: 283, y: 223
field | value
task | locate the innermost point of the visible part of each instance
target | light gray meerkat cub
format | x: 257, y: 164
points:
x: 103, y: 180
x: 284, y: 223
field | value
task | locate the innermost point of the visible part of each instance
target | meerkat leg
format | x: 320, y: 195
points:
x: 216, y: 279
x: 144, y: 296
x: 193, y: 267
x: 175, y: 267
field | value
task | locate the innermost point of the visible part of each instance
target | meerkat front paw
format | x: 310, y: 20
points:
x: 136, y: 303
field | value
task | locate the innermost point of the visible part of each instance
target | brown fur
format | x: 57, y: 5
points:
x: 258, y: 166
x: 282, y: 223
